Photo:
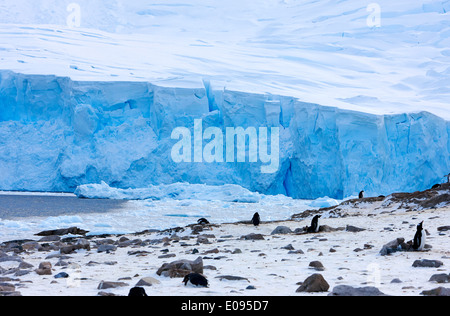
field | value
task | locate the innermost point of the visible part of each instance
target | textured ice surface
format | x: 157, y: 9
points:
x: 57, y: 134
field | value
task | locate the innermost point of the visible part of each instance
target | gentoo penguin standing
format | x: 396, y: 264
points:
x: 256, y: 220
x: 419, y: 238
x: 448, y: 178
x: 195, y: 279
x: 314, y: 225
x: 361, y: 195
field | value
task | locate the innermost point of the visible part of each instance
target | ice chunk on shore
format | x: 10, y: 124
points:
x: 176, y: 191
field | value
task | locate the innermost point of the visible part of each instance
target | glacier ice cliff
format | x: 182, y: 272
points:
x: 57, y: 134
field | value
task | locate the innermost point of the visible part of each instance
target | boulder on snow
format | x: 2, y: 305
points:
x: 314, y: 283
x: 425, y: 263
x: 63, y: 231
x: 346, y: 290
x: 181, y: 268
x: 281, y: 230
x: 394, y: 246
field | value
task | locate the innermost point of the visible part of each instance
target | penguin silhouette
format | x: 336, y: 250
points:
x: 361, y: 195
x: 419, y: 238
x: 203, y: 221
x: 195, y: 279
x: 137, y: 291
x: 256, y: 220
x: 314, y: 224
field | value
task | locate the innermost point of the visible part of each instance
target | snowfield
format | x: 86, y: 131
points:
x: 318, y: 51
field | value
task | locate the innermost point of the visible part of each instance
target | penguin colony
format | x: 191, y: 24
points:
x: 198, y: 280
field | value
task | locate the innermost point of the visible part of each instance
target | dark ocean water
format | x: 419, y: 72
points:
x: 21, y: 206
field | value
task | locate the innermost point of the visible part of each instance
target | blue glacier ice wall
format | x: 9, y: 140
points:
x: 56, y: 134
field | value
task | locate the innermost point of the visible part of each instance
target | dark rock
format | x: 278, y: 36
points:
x: 104, y: 285
x: 203, y: 240
x: 138, y: 253
x: 442, y: 199
x: 440, y: 291
x: 281, y: 230
x: 7, y: 287
x: 72, y: 248
x: 443, y: 228
x: 440, y: 278
x: 181, y: 268
x: 64, y: 231
x: 354, y: 229
x: 300, y: 231
x: 346, y: 290
x: 106, y: 294
x: 45, y: 268
x: 196, y: 229
x: 207, y: 252
x: 394, y: 246
x: 317, y: 265
x: 30, y: 246
x: 288, y: 247
x: 167, y: 256
x: 10, y: 258
x: 314, y: 283
x: 106, y: 248
x: 253, y: 236
x: 425, y: 263
x: 231, y: 278
x: 15, y: 293
x: 50, y: 238
x: 125, y: 242
x: 62, y: 275
x: 328, y: 229
x: 19, y: 273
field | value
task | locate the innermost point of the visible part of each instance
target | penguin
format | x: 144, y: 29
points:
x: 203, y: 221
x: 137, y: 291
x: 195, y: 279
x: 314, y: 224
x: 436, y: 186
x: 361, y: 195
x: 448, y: 178
x: 256, y: 220
x: 419, y: 238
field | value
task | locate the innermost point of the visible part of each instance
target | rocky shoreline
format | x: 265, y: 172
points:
x: 238, y: 258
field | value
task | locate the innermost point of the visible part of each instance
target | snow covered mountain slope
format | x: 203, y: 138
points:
x: 323, y: 52
x: 98, y: 102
